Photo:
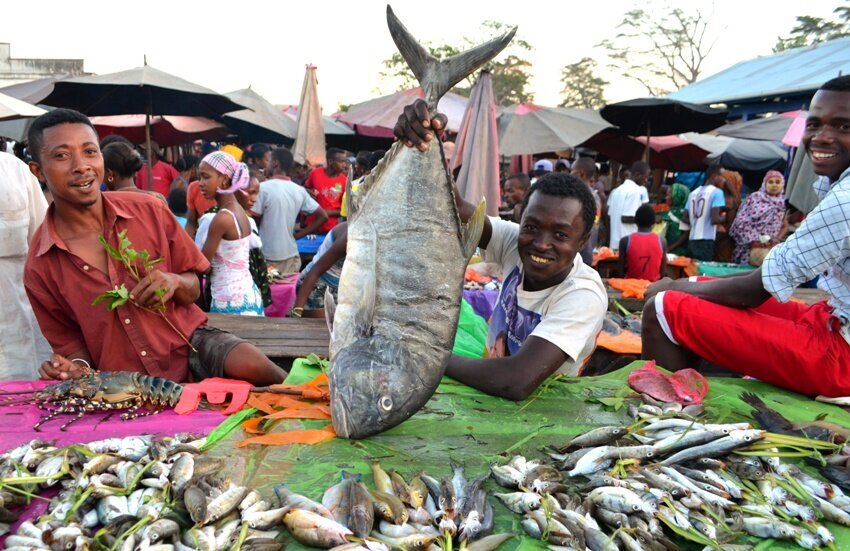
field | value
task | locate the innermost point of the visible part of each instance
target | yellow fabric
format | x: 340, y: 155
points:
x: 233, y: 150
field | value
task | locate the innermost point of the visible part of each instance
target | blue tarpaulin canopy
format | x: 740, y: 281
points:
x: 781, y: 82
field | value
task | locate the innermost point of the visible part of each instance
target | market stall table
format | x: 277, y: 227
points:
x: 465, y: 426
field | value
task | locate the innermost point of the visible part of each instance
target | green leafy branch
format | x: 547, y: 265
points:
x: 138, y: 264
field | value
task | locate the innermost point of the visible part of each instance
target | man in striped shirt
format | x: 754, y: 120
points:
x: 745, y: 323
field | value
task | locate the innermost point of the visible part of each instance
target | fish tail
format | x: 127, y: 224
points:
x: 438, y: 76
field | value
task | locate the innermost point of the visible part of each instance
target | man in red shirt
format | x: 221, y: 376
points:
x: 67, y: 267
x: 327, y: 185
x: 163, y: 173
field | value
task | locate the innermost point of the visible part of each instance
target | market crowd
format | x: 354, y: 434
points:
x: 118, y: 271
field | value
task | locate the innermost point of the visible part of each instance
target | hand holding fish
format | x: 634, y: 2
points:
x: 414, y: 127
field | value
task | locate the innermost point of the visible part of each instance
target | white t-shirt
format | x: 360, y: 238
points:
x: 569, y: 315
x: 624, y: 201
x: 279, y: 203
x: 22, y: 209
x: 699, y: 205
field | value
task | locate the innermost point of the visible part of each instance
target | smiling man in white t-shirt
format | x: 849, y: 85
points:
x: 551, y: 305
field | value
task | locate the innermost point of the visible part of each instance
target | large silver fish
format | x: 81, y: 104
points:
x: 401, y: 284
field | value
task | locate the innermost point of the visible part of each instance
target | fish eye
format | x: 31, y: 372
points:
x: 386, y: 403
x: 635, y: 507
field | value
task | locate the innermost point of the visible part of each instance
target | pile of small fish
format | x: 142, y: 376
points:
x: 615, y: 323
x: 131, y: 493
x: 422, y: 514
x: 669, y: 474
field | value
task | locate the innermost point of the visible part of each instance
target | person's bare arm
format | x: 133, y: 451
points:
x: 313, y: 227
x: 627, y: 219
x: 415, y: 128
x: 621, y: 262
x: 191, y: 222
x: 513, y: 377
x: 322, y: 265
x: 718, y: 215
x: 741, y: 291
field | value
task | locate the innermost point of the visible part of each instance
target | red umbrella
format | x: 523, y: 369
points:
x: 477, y: 152
x: 668, y: 152
x: 167, y: 131
x: 376, y: 117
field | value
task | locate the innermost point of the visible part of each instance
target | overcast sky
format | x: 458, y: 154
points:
x: 268, y: 43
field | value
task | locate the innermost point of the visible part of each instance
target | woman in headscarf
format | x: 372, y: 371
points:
x: 762, y: 214
x: 229, y: 237
x: 677, y: 198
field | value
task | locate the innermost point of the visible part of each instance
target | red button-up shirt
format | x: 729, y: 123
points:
x: 61, y: 288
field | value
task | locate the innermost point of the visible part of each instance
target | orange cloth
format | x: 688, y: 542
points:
x: 603, y: 254
x: 312, y: 403
x: 624, y: 343
x: 630, y: 288
x: 472, y: 275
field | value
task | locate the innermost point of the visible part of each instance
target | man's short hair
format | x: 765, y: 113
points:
x: 333, y: 152
x: 375, y: 158
x: 563, y: 184
x: 837, y: 84
x: 712, y: 170
x: 362, y: 158
x: 586, y: 165
x: 521, y: 179
x: 256, y: 151
x: 640, y: 167
x: 35, y: 135
x: 283, y: 157
x: 645, y: 215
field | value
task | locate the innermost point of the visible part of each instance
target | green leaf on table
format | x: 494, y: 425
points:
x: 612, y: 402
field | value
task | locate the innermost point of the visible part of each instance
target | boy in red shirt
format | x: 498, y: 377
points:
x: 327, y: 185
x: 643, y: 254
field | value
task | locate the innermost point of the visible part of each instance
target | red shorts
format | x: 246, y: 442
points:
x: 790, y: 345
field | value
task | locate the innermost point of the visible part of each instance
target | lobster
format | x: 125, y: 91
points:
x: 107, y: 391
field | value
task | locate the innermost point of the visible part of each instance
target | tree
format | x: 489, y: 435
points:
x: 659, y: 53
x: 509, y: 71
x: 811, y: 30
x: 582, y: 88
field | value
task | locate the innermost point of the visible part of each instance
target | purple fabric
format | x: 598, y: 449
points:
x: 482, y: 302
x: 16, y: 422
x: 283, y: 297
x: 761, y: 214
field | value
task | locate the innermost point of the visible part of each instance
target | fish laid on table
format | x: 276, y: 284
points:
x: 392, y: 334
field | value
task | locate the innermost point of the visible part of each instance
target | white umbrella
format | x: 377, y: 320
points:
x: 13, y: 108
x: 309, y: 148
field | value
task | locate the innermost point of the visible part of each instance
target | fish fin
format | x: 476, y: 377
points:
x: 365, y: 306
x: 330, y: 310
x: 471, y: 234
x: 353, y: 476
x: 435, y: 76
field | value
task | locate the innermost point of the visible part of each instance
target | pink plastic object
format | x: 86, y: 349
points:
x: 686, y: 386
x: 216, y: 390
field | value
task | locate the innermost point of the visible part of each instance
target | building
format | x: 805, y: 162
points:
x: 17, y: 70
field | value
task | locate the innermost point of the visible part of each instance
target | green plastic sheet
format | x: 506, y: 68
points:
x: 471, y: 336
x: 466, y: 426
x: 719, y: 269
